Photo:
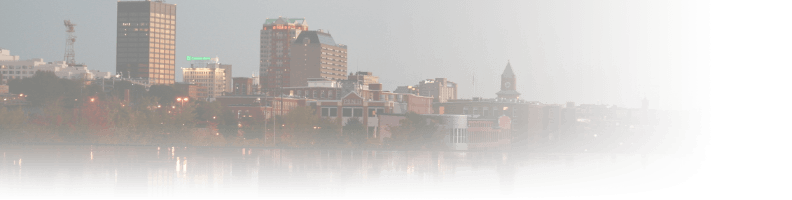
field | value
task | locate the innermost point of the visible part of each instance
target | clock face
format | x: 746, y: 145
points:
x: 507, y: 85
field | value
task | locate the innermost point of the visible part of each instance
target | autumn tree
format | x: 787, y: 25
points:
x: 12, y: 123
x: 355, y: 131
x: 297, y: 126
x: 414, y: 130
x: 329, y: 132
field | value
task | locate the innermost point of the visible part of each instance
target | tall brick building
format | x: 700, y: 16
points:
x: 316, y: 55
x: 277, y: 36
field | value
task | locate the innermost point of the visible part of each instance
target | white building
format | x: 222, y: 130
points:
x: 13, y: 68
x: 214, y: 79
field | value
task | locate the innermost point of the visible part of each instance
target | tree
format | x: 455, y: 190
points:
x: 329, y: 132
x: 228, y: 124
x: 206, y: 111
x: 12, y: 123
x: 414, y: 131
x: 355, y: 131
x: 165, y: 94
x: 42, y: 87
x: 297, y: 126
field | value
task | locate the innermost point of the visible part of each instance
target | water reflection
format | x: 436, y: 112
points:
x: 140, y: 172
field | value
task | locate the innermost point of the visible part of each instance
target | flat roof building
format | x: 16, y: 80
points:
x: 214, y: 79
x: 13, y: 68
x: 146, y: 41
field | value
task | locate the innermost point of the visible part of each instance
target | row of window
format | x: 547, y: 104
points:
x: 17, y: 72
x: 15, y: 67
x: 475, y: 111
x: 313, y: 94
x: 459, y: 135
x: 335, y: 50
x: 338, y: 55
x: 351, y: 112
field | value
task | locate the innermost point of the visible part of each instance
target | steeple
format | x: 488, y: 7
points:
x: 645, y: 103
x: 508, y: 71
x: 508, y: 84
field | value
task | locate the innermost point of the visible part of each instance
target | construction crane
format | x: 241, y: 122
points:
x: 68, y: 56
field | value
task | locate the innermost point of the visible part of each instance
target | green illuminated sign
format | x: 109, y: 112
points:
x: 198, y: 58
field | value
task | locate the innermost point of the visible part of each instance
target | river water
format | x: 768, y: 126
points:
x: 101, y: 172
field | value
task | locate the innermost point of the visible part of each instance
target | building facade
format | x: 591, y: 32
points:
x: 146, y: 41
x: 277, y: 36
x: 440, y: 89
x: 193, y: 90
x: 242, y: 86
x: 365, y: 77
x: 314, y: 54
x: 459, y: 132
x: 13, y: 68
x: 214, y: 79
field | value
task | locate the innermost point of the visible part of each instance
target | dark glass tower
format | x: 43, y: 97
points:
x: 146, y: 41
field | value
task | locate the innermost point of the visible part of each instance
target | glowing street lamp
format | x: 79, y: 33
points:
x: 182, y: 100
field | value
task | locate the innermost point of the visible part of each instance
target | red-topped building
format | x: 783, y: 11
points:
x: 277, y: 36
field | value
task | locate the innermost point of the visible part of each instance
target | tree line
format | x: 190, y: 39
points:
x: 70, y: 111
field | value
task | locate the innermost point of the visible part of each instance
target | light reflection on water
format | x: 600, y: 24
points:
x: 139, y: 171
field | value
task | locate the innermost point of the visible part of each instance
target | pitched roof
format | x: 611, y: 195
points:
x: 316, y: 37
x: 508, y: 71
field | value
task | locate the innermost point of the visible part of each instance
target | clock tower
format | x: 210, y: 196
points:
x: 508, y: 84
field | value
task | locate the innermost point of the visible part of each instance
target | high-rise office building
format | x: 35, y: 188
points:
x: 277, y: 36
x: 316, y: 55
x: 146, y: 41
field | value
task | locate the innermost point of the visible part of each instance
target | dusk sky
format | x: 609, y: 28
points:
x: 608, y: 52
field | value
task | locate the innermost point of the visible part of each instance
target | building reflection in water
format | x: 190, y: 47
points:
x: 140, y: 172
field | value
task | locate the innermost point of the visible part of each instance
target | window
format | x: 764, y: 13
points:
x: 380, y: 111
x: 372, y: 112
x: 347, y: 112
x: 314, y: 94
x: 358, y: 112
x: 325, y: 112
x: 333, y: 112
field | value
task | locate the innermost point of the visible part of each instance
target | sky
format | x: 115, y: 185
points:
x: 588, y: 52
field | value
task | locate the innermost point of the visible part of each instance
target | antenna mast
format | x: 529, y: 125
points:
x: 68, y: 56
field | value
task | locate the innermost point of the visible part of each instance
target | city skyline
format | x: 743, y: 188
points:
x: 554, y: 63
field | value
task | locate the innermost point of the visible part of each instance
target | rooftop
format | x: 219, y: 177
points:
x: 316, y: 37
x: 285, y: 20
